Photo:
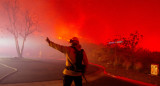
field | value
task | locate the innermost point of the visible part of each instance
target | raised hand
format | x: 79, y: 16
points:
x: 47, y: 39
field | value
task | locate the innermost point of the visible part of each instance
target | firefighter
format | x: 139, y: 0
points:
x: 76, y: 61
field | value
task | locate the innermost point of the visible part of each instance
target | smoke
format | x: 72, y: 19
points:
x: 92, y: 21
x: 99, y: 21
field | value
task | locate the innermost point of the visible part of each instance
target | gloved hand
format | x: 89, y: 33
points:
x: 47, y: 39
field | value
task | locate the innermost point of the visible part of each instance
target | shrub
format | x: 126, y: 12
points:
x: 127, y: 64
x: 138, y: 66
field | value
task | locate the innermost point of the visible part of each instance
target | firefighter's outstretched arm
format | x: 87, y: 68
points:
x: 61, y: 48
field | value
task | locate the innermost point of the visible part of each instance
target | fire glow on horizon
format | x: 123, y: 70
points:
x: 96, y: 21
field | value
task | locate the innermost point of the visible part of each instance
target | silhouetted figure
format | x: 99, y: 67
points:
x: 76, y: 61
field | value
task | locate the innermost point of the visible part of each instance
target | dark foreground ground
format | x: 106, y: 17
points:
x: 35, y: 71
x: 108, y: 81
x: 38, y: 71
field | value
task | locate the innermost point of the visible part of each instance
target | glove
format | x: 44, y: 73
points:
x: 47, y: 39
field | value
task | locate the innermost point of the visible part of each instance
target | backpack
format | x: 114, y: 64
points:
x: 78, y: 66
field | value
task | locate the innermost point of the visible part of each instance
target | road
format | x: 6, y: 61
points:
x: 38, y: 71
x: 34, y: 71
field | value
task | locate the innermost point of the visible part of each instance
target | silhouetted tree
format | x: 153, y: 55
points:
x: 132, y: 41
x: 15, y: 28
x: 126, y: 48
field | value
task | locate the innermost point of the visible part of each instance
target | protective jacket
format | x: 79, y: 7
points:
x: 70, y: 55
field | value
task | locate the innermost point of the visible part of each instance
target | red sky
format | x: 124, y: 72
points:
x: 98, y: 20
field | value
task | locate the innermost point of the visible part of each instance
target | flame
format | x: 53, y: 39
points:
x: 59, y: 37
x: 63, y: 38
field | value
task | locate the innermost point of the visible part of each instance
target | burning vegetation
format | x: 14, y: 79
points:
x: 124, y: 54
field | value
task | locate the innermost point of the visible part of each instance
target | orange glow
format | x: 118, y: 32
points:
x: 63, y: 38
x: 96, y: 21
x: 100, y: 21
x: 59, y: 37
